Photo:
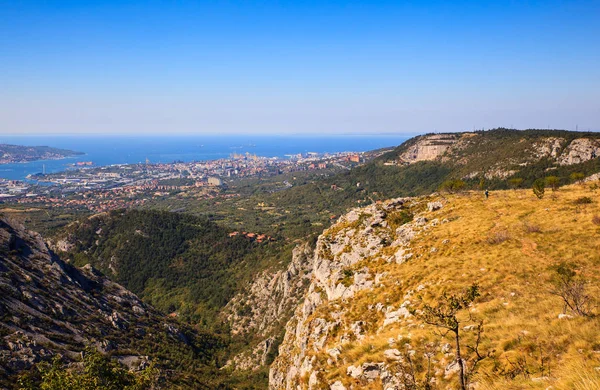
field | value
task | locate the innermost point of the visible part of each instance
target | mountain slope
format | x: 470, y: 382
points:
x: 191, y: 268
x: 363, y: 321
x: 49, y: 307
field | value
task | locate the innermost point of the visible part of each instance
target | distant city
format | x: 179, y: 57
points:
x: 128, y: 185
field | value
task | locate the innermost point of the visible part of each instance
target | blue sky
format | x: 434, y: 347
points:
x: 293, y: 67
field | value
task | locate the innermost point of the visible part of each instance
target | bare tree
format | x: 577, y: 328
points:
x: 572, y: 288
x: 444, y: 315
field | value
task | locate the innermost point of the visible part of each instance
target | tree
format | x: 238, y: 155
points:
x: 538, y: 188
x: 553, y: 182
x: 576, y: 176
x: 572, y: 287
x: 96, y: 372
x: 515, y: 182
x: 444, y: 315
x: 482, y: 184
x: 452, y: 185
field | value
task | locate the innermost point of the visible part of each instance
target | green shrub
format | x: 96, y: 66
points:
x: 583, y: 200
x: 515, y: 182
x: 452, y: 186
x: 553, y: 182
x: 576, y: 176
x: 539, y: 188
x: 97, y: 372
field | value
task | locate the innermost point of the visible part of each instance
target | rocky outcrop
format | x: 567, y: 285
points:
x: 49, y: 307
x: 343, y: 267
x: 429, y: 147
x: 498, y: 154
x: 594, y: 177
x: 580, y: 150
x: 266, y: 305
x: 271, y: 295
x: 548, y: 147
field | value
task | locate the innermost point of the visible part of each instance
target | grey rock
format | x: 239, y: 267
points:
x: 434, y: 206
x: 371, y: 371
x: 392, y: 354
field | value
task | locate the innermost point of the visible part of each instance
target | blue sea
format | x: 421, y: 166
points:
x: 108, y: 150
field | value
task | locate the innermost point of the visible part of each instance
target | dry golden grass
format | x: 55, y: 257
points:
x: 507, y: 245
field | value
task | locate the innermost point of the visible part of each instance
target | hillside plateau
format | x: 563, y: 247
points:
x: 500, y: 154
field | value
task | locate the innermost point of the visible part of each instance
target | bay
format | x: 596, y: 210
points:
x: 109, y: 150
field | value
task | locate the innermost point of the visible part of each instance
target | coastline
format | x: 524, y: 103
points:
x: 109, y: 151
x: 41, y: 160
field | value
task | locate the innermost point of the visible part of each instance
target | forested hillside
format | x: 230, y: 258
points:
x: 181, y: 264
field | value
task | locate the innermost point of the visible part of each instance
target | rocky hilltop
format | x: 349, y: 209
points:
x: 49, y: 307
x: 362, y: 322
x: 499, y: 153
x: 430, y: 147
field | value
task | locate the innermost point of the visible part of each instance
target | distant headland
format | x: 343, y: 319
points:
x: 20, y: 154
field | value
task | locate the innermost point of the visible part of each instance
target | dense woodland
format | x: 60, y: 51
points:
x: 177, y: 262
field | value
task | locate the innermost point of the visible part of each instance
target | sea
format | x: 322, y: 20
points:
x: 110, y: 150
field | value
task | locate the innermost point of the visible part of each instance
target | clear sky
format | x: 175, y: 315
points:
x: 291, y: 67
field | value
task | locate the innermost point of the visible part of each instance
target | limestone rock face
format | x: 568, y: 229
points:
x: 580, y: 150
x: 267, y: 304
x: 548, y: 147
x: 491, y: 157
x: 429, y: 147
x: 322, y: 328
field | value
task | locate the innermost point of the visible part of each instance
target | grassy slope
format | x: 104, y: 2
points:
x: 520, y: 314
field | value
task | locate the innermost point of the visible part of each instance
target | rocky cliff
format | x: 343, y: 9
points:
x: 430, y: 147
x: 579, y: 150
x: 361, y: 325
x: 347, y: 260
x: 265, y: 306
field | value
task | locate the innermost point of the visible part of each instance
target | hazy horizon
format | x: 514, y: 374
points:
x: 257, y: 134
x: 297, y: 68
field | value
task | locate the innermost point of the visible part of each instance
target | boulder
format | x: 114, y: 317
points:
x: 371, y: 371
x: 433, y: 206
x: 354, y: 372
x: 392, y: 354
